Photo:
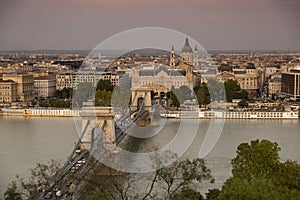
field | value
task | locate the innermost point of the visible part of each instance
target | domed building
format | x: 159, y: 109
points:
x: 188, y: 55
x: 188, y: 62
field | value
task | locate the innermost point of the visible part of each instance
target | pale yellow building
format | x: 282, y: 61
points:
x: 64, y: 80
x: 8, y: 91
x: 248, y: 79
x: 159, y: 78
x: 113, y: 77
x: 274, y: 87
x: 25, y: 88
x: 44, y: 86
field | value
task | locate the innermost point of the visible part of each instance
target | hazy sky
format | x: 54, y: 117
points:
x: 215, y: 24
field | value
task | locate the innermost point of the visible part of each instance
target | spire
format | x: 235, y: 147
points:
x: 187, y: 42
x: 196, y: 49
x: 186, y: 47
x: 172, y: 57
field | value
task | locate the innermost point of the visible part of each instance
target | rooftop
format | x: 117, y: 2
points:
x: 45, y: 78
x: 170, y: 72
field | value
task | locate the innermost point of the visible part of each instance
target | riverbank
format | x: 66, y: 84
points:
x: 33, y: 112
x: 193, y: 114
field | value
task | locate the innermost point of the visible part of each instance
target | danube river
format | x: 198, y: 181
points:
x: 27, y: 141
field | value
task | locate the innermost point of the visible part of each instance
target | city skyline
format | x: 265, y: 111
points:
x: 226, y: 25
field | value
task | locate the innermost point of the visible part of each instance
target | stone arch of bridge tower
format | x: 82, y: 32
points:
x: 141, y: 93
x: 95, y: 121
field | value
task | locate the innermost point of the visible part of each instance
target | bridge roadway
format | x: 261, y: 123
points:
x: 81, y: 158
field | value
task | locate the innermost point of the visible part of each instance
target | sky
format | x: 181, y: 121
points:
x: 215, y: 24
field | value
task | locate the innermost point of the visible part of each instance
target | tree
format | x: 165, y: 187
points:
x: 40, y: 178
x: 105, y: 85
x: 182, y: 174
x: 83, y: 93
x: 259, y: 174
x: 103, y: 98
x: 212, y: 194
x: 180, y: 180
x: 173, y: 94
x: 188, y: 194
x: 202, y: 94
x: 255, y: 188
x: 186, y: 92
x: 100, y: 194
x: 216, y: 90
x: 12, y: 192
x: 288, y: 175
x: 121, y: 97
x: 257, y: 159
x: 65, y: 93
x: 243, y: 94
x: 243, y: 103
x: 232, y: 89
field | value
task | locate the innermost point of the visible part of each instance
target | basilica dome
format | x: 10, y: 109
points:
x: 186, y: 48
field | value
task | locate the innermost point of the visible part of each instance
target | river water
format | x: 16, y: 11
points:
x: 27, y: 141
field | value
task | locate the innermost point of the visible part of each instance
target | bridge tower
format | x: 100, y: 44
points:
x: 141, y: 97
x: 97, y: 120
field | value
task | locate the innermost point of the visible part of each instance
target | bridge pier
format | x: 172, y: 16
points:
x: 141, y: 94
x: 97, y: 120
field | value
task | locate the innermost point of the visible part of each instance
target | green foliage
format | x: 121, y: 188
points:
x: 12, y: 192
x: 56, y: 103
x: 243, y: 103
x: 103, y: 98
x: 173, y: 97
x: 83, y: 92
x: 179, y: 95
x: 232, y: 88
x: 100, y: 194
x: 104, y: 85
x: 288, y: 175
x: 183, y: 174
x: 103, y: 95
x: 186, y: 92
x: 180, y: 180
x: 259, y: 174
x: 212, y: 194
x: 65, y: 93
x: 257, y: 159
x: 40, y: 178
x: 243, y: 94
x: 188, y: 194
x: 202, y: 94
x: 121, y: 97
x: 254, y: 189
x: 216, y: 90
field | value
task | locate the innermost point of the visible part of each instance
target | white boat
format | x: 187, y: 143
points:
x: 210, y: 114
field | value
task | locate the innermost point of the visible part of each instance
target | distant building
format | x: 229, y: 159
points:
x: 290, y: 83
x: 44, y: 86
x: 188, y: 55
x: 172, y: 57
x: 113, y: 77
x: 270, y: 70
x: 247, y: 78
x: 25, y: 89
x: 8, y: 91
x: 274, y: 87
x: 64, y: 80
x: 159, y: 78
x: 86, y: 77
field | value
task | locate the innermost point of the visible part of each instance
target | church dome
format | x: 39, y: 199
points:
x: 186, y: 48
